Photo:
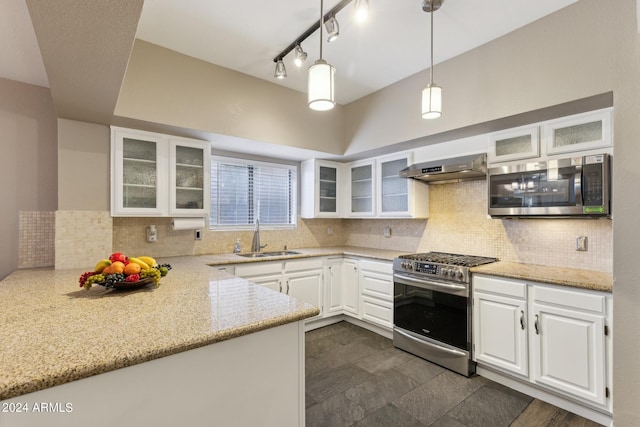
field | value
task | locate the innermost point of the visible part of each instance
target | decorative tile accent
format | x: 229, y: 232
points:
x: 36, y: 231
x: 82, y: 238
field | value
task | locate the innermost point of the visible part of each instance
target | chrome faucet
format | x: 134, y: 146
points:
x: 255, y: 244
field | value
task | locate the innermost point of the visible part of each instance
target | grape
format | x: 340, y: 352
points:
x: 84, y: 277
x: 153, y: 273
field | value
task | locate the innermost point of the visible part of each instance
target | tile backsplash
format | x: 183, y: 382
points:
x: 36, y: 239
x: 457, y: 223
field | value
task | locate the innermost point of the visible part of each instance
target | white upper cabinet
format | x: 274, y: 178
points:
x: 400, y: 197
x: 158, y: 175
x: 320, y: 189
x: 138, y: 171
x: 514, y: 144
x: 189, y: 176
x: 580, y: 132
x: 362, y: 188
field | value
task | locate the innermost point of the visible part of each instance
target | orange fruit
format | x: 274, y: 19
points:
x: 117, y: 267
x: 132, y: 268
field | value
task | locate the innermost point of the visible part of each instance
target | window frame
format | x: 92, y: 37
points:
x: 293, y: 200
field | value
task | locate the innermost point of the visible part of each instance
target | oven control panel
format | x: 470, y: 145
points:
x: 443, y: 271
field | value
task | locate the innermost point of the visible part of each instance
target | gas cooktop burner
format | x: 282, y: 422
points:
x: 449, y: 259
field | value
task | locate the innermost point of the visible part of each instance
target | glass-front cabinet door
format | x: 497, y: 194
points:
x: 394, y: 190
x: 139, y: 163
x: 320, y: 189
x: 188, y: 177
x: 362, y: 202
x: 585, y: 131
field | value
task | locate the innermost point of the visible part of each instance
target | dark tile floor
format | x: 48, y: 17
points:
x: 355, y: 377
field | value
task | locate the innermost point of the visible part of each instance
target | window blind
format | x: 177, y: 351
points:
x: 243, y: 191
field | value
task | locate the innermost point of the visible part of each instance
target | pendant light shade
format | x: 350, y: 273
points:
x: 321, y: 86
x: 431, y: 102
x: 432, y: 94
x: 320, y: 90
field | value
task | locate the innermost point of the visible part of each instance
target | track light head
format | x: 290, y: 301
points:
x: 333, y: 29
x: 300, y: 56
x: 281, y: 71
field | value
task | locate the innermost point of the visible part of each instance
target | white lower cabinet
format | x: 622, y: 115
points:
x: 568, y: 342
x: 376, y: 284
x: 499, y: 325
x: 301, y: 279
x: 356, y: 287
x: 551, y: 336
x: 333, y: 287
x: 350, y: 287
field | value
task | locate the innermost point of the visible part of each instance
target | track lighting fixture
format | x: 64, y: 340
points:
x: 300, y: 56
x: 361, y: 10
x: 432, y: 94
x: 281, y: 71
x: 321, y: 74
x: 333, y: 29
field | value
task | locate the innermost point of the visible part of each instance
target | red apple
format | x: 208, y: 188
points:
x: 118, y: 256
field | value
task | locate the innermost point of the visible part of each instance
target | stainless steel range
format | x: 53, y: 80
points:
x: 432, y: 307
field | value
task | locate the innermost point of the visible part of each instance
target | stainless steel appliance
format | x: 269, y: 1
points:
x: 464, y: 168
x: 576, y: 186
x: 432, y: 307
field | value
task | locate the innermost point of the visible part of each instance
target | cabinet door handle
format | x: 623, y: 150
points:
x: 280, y: 284
x: 522, y: 319
x: 536, y: 326
x: 287, y: 287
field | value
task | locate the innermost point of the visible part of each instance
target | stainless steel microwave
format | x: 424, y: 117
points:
x: 570, y: 187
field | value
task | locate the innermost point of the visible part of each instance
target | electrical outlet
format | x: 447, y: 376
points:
x: 329, y: 231
x: 198, y: 235
x: 152, y: 234
x: 387, y: 231
x: 581, y: 243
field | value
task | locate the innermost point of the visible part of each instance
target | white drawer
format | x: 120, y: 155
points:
x: 384, y: 267
x: 499, y: 285
x: 258, y: 269
x: 570, y: 297
x: 303, y: 264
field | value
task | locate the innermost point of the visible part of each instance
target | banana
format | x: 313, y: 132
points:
x: 143, y: 265
x: 101, y: 265
x: 148, y: 260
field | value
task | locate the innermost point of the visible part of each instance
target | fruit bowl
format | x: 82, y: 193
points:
x: 129, y: 285
x: 122, y: 272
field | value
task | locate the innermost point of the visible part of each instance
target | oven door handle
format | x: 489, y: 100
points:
x: 427, y: 284
x: 422, y: 342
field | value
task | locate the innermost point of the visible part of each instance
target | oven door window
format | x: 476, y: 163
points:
x: 437, y: 315
x: 532, y: 189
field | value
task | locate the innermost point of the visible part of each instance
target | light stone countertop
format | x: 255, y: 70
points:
x: 572, y: 277
x: 54, y: 332
x: 376, y: 254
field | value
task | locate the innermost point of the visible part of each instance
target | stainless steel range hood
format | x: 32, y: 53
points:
x: 457, y: 169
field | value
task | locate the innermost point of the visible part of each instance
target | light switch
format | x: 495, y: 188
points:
x: 581, y: 243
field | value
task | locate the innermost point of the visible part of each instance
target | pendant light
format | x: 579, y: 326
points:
x: 432, y: 94
x: 321, y: 89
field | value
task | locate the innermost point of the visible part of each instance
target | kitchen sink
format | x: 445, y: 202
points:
x: 267, y: 254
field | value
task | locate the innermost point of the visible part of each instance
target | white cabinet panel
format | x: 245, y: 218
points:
x: 350, y: 287
x: 585, y: 131
x: 514, y: 144
x: 568, y: 351
x: 333, y: 286
x: 320, y: 189
x: 377, y: 311
x: 500, y: 336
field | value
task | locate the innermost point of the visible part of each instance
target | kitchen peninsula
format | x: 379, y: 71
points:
x: 202, y: 346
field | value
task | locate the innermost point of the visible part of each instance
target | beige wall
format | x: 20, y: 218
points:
x: 163, y: 86
x: 83, y: 166
x: 565, y: 56
x: 28, y: 167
